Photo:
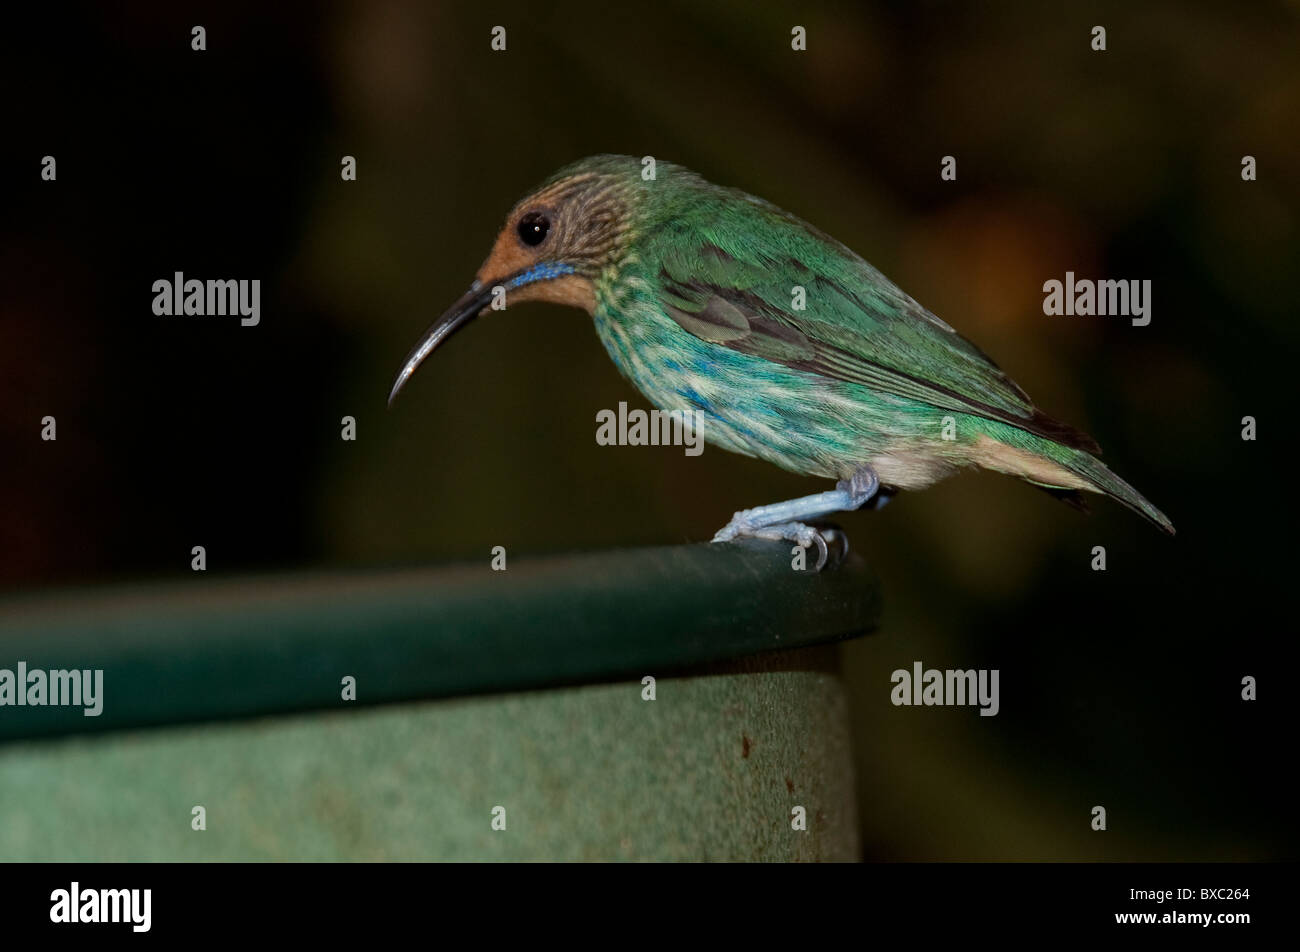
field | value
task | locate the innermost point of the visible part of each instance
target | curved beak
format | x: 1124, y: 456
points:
x: 471, y: 304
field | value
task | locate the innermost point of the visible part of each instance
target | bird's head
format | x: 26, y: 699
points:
x: 553, y: 246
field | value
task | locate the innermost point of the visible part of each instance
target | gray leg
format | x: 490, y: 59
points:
x: 785, y: 520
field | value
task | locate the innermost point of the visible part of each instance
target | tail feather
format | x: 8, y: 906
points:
x: 1097, y: 473
x: 1058, y: 432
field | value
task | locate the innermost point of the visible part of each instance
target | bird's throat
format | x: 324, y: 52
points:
x: 573, y: 290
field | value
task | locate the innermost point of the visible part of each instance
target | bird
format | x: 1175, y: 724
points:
x: 785, y: 344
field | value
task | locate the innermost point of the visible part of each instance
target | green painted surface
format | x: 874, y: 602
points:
x: 708, y: 770
x: 220, y: 648
x: 473, y: 689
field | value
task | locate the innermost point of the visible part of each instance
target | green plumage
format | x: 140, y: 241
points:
x: 697, y: 305
x: 788, y: 346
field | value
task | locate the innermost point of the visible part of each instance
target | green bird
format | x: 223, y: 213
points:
x: 781, y: 341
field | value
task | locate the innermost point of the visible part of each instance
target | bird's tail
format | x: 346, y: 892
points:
x: 1096, y: 472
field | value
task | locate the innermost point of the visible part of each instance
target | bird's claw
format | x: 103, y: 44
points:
x: 833, y: 535
x: 796, y: 532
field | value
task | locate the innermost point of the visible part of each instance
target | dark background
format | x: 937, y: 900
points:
x: 1118, y: 688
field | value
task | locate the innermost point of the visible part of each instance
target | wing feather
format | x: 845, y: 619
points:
x: 857, y: 326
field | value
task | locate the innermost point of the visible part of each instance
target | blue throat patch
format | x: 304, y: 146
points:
x: 541, y: 272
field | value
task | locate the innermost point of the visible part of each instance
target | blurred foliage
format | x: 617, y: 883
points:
x: 1120, y: 688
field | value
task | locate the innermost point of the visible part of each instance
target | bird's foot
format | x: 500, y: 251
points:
x: 788, y: 521
x: 796, y: 532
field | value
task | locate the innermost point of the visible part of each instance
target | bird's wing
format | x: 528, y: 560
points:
x: 856, y: 325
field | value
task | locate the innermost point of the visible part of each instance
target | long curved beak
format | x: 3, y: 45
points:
x: 471, y: 303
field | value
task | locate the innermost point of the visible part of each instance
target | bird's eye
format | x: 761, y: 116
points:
x: 533, y: 228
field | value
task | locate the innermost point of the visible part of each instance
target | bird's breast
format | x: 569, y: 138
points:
x: 799, y: 421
